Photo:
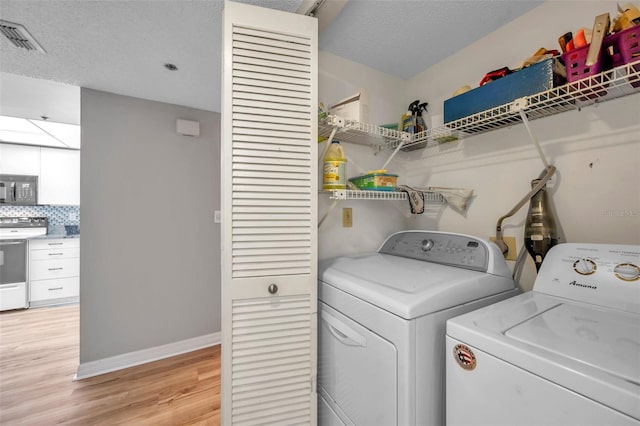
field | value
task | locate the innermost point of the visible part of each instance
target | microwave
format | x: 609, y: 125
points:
x: 18, y: 190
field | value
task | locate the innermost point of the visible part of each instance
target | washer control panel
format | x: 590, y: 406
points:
x: 602, y: 274
x: 448, y: 249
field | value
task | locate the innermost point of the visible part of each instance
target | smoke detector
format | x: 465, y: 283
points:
x: 19, y: 36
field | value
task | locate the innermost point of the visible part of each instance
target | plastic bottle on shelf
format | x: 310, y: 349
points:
x: 335, y: 170
x: 412, y: 121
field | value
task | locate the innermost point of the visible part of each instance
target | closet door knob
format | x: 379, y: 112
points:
x: 273, y: 289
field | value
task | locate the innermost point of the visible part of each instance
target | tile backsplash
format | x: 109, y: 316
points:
x: 58, y: 215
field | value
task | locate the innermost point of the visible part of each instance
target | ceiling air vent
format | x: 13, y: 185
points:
x: 19, y: 36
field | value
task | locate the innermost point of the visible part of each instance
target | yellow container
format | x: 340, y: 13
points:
x: 335, y: 162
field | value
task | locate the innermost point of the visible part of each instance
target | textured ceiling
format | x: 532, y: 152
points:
x: 405, y: 37
x: 121, y: 46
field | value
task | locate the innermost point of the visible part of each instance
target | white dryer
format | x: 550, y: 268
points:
x: 382, y: 322
x: 566, y: 353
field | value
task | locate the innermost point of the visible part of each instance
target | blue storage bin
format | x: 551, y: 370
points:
x: 536, y: 78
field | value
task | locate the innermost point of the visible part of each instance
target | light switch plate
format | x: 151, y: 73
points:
x: 217, y: 216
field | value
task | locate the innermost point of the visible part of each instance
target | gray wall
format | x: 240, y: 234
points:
x: 150, y: 252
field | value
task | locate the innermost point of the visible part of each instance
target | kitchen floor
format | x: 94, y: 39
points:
x: 38, y: 360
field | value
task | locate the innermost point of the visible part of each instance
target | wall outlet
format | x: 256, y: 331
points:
x: 512, y: 254
x: 217, y: 216
x: 347, y: 217
x: 73, y: 216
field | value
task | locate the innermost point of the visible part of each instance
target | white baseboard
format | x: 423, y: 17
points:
x: 130, y: 359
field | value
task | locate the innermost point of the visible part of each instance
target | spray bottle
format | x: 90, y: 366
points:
x: 421, y: 126
x: 412, y: 121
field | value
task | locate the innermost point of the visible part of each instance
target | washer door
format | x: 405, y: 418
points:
x: 357, y: 371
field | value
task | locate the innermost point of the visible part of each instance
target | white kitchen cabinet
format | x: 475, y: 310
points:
x: 59, y: 177
x: 54, y: 291
x: 54, y: 271
x: 19, y: 159
x: 269, y: 207
x: 58, y: 171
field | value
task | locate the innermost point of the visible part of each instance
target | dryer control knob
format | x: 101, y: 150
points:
x: 585, y: 266
x: 627, y: 271
x: 427, y: 245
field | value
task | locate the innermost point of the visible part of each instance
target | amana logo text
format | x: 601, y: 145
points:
x: 577, y: 284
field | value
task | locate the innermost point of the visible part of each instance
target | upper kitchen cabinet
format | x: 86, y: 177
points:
x: 59, y: 177
x: 58, y: 171
x: 19, y: 159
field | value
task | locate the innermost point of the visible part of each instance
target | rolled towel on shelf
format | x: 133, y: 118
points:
x: 415, y: 197
x: 458, y: 198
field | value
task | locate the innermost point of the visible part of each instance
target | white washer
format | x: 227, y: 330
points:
x: 382, y: 321
x: 566, y: 353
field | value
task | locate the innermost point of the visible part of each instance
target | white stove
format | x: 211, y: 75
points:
x: 566, y: 353
x: 14, y: 232
x: 22, y: 227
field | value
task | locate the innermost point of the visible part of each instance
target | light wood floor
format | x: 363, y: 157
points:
x: 39, y: 358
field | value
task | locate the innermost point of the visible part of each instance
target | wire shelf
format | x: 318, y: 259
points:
x: 611, y: 84
x: 360, y: 133
x: 348, y: 194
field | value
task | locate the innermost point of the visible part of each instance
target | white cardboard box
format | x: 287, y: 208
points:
x: 352, y: 108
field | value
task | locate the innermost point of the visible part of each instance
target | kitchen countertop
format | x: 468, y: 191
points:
x: 53, y: 236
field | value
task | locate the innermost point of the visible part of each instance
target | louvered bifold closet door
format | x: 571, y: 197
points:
x: 269, y: 206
